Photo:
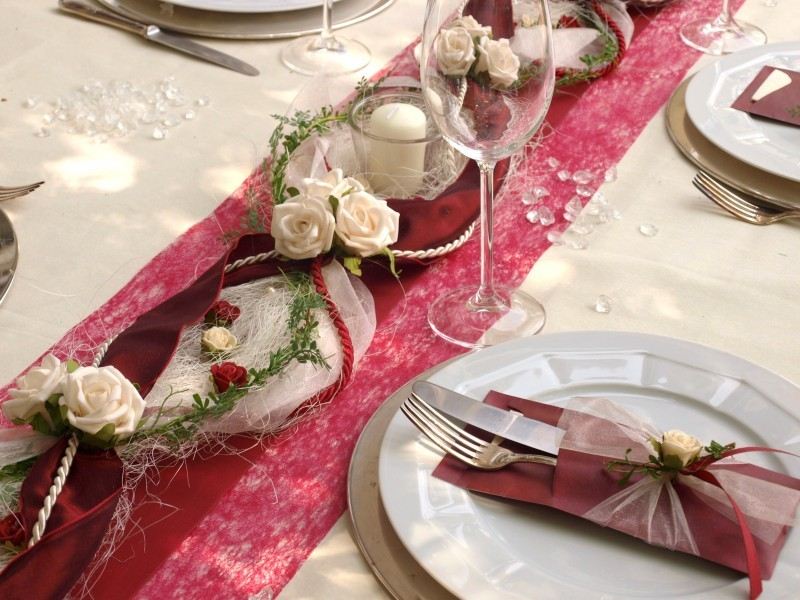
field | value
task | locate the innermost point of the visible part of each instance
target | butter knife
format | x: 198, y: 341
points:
x: 508, y: 425
x: 154, y: 34
x: 8, y: 254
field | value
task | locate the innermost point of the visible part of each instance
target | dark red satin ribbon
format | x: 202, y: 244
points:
x: 76, y: 526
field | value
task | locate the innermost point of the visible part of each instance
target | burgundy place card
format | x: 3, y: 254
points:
x: 774, y: 94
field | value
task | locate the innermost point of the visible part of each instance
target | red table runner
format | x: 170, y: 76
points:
x: 227, y: 526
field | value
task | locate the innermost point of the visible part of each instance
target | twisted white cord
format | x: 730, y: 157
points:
x: 243, y: 262
x: 101, y: 352
x: 440, y: 251
x: 55, y: 489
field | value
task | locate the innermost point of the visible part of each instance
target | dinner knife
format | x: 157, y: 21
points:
x: 508, y: 425
x: 154, y: 34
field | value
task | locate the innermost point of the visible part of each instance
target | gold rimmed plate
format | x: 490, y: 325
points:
x: 707, y: 156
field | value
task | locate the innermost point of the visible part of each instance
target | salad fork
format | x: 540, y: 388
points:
x: 461, y: 444
x: 7, y: 193
x: 761, y: 213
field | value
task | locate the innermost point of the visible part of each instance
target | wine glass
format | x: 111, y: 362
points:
x: 325, y: 53
x: 487, y: 75
x: 723, y: 35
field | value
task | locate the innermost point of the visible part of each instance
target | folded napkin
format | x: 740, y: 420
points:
x: 695, y: 512
x: 774, y: 94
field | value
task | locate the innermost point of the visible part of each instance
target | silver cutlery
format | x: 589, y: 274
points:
x: 154, y: 34
x: 7, y: 193
x: 508, y: 425
x: 757, y: 212
x: 461, y: 444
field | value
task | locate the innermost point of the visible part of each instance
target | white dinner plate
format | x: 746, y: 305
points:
x: 248, y: 6
x: 480, y: 547
x: 769, y: 145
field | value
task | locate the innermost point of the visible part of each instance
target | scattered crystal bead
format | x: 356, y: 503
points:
x: 546, y: 216
x: 568, y: 216
x: 769, y: 3
x: 648, y: 230
x: 540, y: 191
x: 189, y: 115
x: 553, y: 162
x: 159, y: 134
x: 582, y: 177
x: 584, y: 190
x: 574, y: 206
x: 582, y: 227
x: 43, y: 132
x: 610, y: 174
x: 577, y: 242
x: 554, y: 237
x: 532, y: 216
x: 31, y: 102
x: 599, y: 198
x: 202, y: 101
x: 603, y: 304
x: 563, y: 175
x: 171, y: 121
x: 529, y: 199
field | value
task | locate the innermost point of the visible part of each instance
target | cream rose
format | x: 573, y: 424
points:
x: 680, y: 445
x: 365, y: 224
x: 497, y: 57
x: 34, y: 388
x: 333, y: 183
x: 218, y: 339
x: 303, y: 226
x: 455, y: 51
x: 472, y: 26
x: 97, y: 396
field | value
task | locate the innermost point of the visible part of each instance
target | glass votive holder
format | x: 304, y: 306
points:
x: 398, y: 148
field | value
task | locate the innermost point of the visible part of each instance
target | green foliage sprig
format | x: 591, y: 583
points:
x: 593, y: 62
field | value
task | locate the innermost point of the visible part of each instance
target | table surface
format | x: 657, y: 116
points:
x: 108, y: 208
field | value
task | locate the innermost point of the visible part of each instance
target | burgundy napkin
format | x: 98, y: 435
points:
x: 581, y: 481
x: 781, y: 105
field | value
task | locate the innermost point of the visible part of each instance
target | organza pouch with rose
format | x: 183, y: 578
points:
x: 669, y: 490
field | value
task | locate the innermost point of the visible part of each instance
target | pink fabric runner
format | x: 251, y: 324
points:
x: 265, y: 526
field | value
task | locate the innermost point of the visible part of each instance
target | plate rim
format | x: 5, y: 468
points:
x: 705, y: 79
x: 620, y: 341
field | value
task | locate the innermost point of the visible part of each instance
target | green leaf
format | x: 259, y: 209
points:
x: 352, y: 264
x: 392, y: 263
x: 71, y: 365
x: 106, y: 432
x: 40, y: 424
x: 672, y: 462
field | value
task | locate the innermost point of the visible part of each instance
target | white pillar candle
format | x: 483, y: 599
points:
x: 396, y: 168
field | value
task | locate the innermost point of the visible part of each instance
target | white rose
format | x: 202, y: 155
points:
x: 34, y: 388
x: 497, y: 57
x: 455, y: 51
x: 680, y: 445
x: 365, y: 224
x: 97, y: 396
x: 302, y: 227
x: 218, y: 339
x: 472, y: 26
x: 333, y: 183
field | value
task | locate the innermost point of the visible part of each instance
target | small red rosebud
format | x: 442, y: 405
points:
x: 222, y: 313
x: 226, y: 374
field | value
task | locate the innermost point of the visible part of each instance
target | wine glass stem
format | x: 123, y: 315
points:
x: 486, y: 296
x: 327, y: 7
x: 725, y: 15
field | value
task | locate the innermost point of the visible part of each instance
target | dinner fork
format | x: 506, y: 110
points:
x: 7, y: 193
x: 461, y: 444
x: 761, y: 213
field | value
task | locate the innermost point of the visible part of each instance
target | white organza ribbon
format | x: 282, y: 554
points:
x: 19, y: 443
x: 650, y: 508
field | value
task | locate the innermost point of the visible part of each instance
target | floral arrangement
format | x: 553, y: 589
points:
x: 675, y: 453
x: 466, y: 48
x: 334, y: 213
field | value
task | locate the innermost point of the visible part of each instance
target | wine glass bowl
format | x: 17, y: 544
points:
x: 487, y: 75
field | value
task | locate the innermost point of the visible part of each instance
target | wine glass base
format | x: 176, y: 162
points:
x: 722, y: 37
x: 455, y: 317
x: 330, y: 56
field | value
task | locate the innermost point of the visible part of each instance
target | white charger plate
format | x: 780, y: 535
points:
x: 768, y: 145
x: 482, y: 547
x: 248, y: 6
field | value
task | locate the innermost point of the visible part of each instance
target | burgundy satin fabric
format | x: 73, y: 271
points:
x: 76, y: 526
x: 580, y: 481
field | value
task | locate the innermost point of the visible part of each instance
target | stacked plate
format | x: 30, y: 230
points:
x: 246, y: 19
x: 753, y: 154
x: 425, y: 538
